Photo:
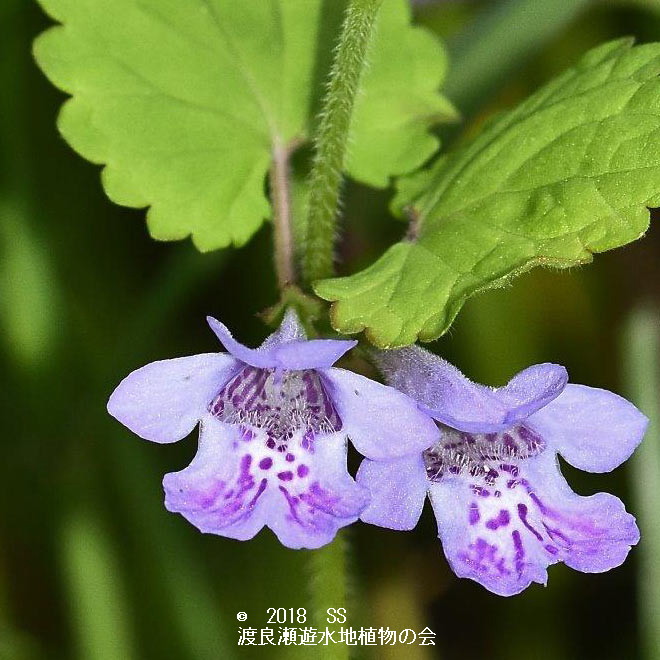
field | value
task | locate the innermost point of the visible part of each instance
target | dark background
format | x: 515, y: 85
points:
x: 91, y: 564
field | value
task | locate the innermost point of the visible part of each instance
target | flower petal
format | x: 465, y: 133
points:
x: 313, y: 353
x: 595, y: 533
x: 319, y: 498
x: 279, y: 352
x: 592, y: 429
x: 221, y: 491
x: 253, y: 356
x: 397, y: 489
x: 381, y: 422
x: 532, y: 389
x: 443, y: 390
x: 504, y: 537
x: 236, y: 484
x: 164, y: 400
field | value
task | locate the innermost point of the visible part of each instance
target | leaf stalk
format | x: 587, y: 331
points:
x: 285, y: 269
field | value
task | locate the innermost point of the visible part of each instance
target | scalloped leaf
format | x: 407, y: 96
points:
x: 183, y: 101
x: 400, y: 100
x: 568, y: 173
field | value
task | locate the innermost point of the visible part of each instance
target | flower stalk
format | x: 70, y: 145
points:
x: 332, y: 138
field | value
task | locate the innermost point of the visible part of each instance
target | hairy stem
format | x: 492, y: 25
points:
x: 332, y: 137
x: 329, y: 586
x: 285, y: 269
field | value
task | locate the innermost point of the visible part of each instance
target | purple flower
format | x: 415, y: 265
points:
x: 273, y: 427
x: 503, y: 508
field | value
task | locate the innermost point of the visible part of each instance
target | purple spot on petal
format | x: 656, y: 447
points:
x: 558, y: 537
x: 260, y: 490
x: 303, y: 471
x: 290, y: 458
x: 265, y: 463
x: 480, y: 491
x: 511, y: 469
x: 482, y: 556
x: 287, y: 475
x: 520, y: 551
x: 502, y: 520
x: 535, y: 498
x: 491, y: 476
x: 522, y: 514
x: 474, y: 513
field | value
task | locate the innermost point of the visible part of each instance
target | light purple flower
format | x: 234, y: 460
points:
x: 503, y: 508
x: 273, y: 428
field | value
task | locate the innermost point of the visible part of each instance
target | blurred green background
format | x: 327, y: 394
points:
x: 91, y: 564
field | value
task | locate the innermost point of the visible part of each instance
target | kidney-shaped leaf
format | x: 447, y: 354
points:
x: 183, y: 101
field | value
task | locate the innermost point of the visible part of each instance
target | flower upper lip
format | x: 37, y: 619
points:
x: 286, y: 349
x: 451, y: 398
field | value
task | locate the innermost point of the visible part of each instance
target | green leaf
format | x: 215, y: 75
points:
x: 568, y: 173
x: 182, y: 102
x: 400, y: 101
